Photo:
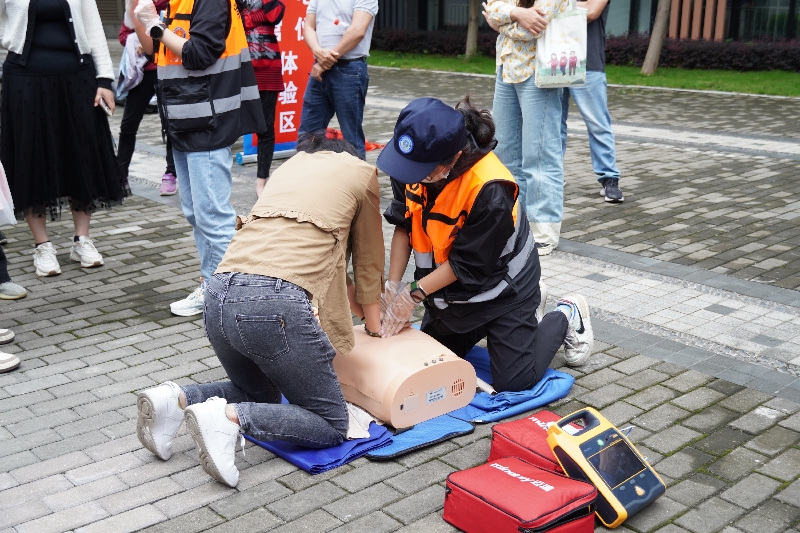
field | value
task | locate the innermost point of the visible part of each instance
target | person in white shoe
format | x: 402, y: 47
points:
x: 8, y: 289
x: 456, y: 208
x: 8, y: 361
x: 319, y: 210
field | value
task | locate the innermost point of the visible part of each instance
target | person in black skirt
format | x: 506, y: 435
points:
x: 55, y: 141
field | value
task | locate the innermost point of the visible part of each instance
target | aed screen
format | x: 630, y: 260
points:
x: 616, y: 463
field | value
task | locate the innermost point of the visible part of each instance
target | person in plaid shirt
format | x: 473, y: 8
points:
x: 260, y: 18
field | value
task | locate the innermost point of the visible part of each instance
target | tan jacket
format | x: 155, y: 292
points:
x: 316, y: 210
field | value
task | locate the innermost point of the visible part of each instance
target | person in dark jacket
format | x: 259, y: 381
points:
x: 209, y: 99
x: 477, y: 273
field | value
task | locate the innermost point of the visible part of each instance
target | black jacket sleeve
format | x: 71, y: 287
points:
x: 395, y: 214
x: 477, y: 248
x: 211, y: 22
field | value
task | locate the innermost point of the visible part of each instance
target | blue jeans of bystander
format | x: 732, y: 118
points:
x: 269, y: 342
x: 592, y: 102
x: 342, y: 91
x: 204, y: 181
x: 527, y: 119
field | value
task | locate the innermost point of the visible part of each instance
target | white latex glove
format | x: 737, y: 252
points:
x: 147, y: 14
x: 390, y: 289
x: 398, y: 313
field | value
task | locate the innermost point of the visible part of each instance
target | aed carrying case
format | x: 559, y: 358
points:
x: 510, y: 495
x: 526, y: 439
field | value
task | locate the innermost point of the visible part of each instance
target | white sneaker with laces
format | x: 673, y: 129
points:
x: 540, y: 309
x: 215, y: 437
x: 191, y: 305
x: 45, y: 261
x: 545, y: 248
x: 84, y: 252
x: 159, y: 418
x: 580, y: 337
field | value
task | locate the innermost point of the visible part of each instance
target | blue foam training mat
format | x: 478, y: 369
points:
x: 422, y: 435
x: 317, y: 461
x: 484, y: 407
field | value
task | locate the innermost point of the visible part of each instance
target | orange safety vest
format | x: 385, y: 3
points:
x: 435, y: 227
x: 224, y: 97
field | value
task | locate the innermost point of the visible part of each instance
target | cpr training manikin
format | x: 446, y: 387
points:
x: 405, y: 379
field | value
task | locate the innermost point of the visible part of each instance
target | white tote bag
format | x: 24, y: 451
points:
x: 561, y: 50
x: 6, y: 202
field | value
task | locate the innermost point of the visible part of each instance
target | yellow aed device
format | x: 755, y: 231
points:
x: 600, y: 454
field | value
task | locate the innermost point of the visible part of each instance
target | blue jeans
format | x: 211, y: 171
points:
x: 343, y: 91
x: 592, y: 102
x: 204, y: 182
x: 267, y: 339
x: 527, y: 120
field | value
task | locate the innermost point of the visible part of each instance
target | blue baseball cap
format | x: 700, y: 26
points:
x: 427, y: 132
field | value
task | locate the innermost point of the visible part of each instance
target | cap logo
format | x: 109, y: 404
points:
x: 405, y: 144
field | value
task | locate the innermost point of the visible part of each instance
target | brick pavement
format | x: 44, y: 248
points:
x: 700, y: 361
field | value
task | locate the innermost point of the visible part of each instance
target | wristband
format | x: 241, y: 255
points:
x: 416, y: 287
x: 370, y: 333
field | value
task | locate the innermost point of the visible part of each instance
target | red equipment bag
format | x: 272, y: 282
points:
x: 526, y: 438
x: 512, y: 496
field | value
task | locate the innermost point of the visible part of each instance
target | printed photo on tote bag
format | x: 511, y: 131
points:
x: 561, y: 50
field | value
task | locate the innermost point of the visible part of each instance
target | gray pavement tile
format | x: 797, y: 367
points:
x: 132, y: 520
x: 726, y: 387
x: 643, y: 379
x: 419, y: 477
x: 417, y: 505
x: 620, y: 412
x: 318, y: 521
x: 773, y: 441
x: 771, y: 517
x: 751, y: 491
x: 469, y: 456
x: 432, y: 523
x: 253, y: 522
x: 363, y: 502
x: 660, y: 417
x: 65, y: 520
x: 785, y: 467
x: 686, y: 381
x: 306, y: 501
x: 369, y: 474
x: 698, y: 399
x: 192, y: 499
x: 604, y: 396
x: 376, y: 522
x: 737, y: 464
x: 722, y: 440
x: 192, y: 522
x: 655, y: 514
x: 300, y: 479
x: 684, y: 462
x: 671, y: 439
x: 695, y: 489
x: 745, y: 400
x: 710, y: 516
x: 710, y: 418
x: 757, y: 420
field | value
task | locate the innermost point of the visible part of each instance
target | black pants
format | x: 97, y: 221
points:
x: 4, y: 277
x: 266, y: 138
x: 520, y: 350
x: 135, y: 106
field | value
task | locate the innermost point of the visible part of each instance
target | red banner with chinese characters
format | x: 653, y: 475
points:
x: 296, y: 60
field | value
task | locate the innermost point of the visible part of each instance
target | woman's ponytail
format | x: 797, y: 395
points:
x: 477, y: 121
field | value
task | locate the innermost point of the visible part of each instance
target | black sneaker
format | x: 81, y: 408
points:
x: 611, y: 190
x: 3, y: 239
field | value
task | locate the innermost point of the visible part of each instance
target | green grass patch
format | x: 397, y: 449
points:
x: 774, y: 82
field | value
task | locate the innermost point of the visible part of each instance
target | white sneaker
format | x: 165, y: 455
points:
x: 545, y: 249
x: 215, y: 437
x: 84, y: 252
x: 159, y: 418
x: 8, y: 362
x: 6, y: 336
x: 543, y: 294
x: 580, y: 337
x: 45, y: 261
x: 191, y: 305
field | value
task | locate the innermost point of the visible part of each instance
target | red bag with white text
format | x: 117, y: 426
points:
x: 512, y: 496
x: 526, y: 438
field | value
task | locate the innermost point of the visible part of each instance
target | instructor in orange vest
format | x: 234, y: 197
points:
x: 477, y: 271
x: 209, y: 98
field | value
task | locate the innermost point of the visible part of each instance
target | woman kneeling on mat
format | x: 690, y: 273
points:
x: 477, y: 272
x: 318, y: 207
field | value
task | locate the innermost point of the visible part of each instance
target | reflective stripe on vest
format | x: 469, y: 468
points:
x: 435, y: 228
x: 193, y: 98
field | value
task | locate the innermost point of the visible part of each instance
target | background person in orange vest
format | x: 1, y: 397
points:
x: 209, y: 99
x: 477, y: 272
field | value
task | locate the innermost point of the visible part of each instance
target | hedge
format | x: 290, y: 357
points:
x: 628, y: 50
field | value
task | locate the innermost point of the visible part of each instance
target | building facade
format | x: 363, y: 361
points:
x: 689, y: 19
